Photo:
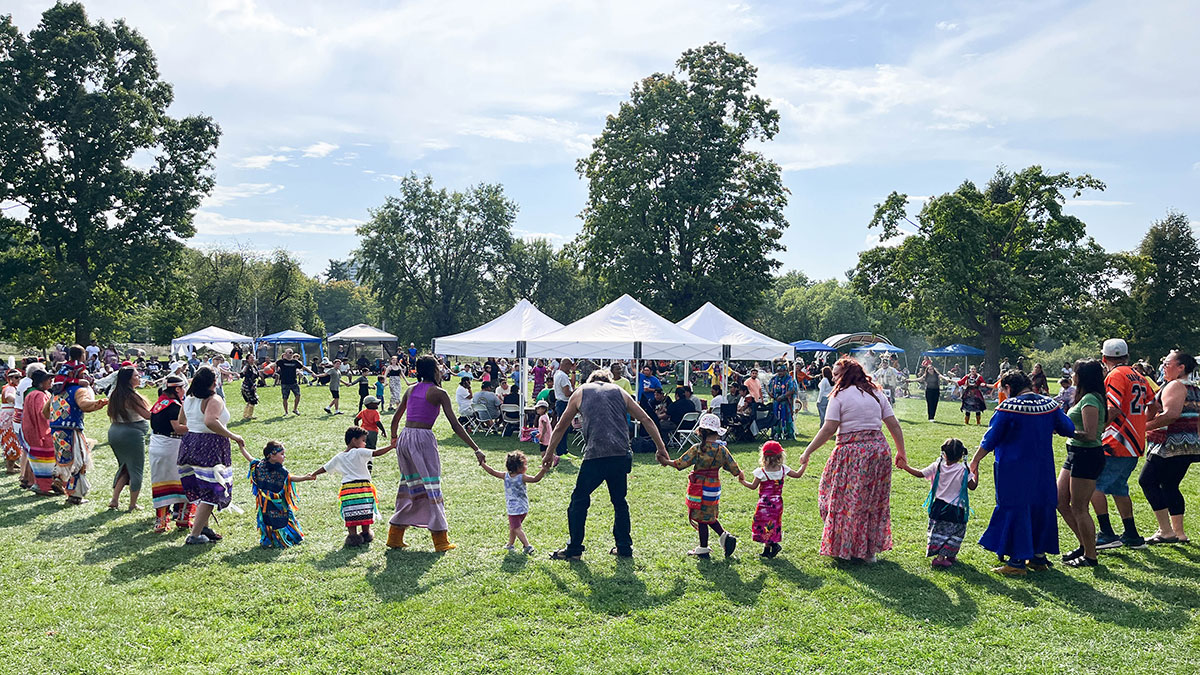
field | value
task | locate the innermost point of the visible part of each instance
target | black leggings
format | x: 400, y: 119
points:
x: 703, y: 527
x: 931, y: 400
x: 1160, y: 479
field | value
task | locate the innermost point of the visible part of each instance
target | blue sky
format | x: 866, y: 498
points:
x: 323, y: 104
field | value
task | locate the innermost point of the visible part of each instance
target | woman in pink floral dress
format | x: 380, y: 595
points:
x: 855, y: 492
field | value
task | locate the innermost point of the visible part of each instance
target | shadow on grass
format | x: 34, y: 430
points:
x: 120, y: 541
x: 16, y: 515
x: 788, y: 572
x: 341, y: 557
x: 252, y: 556
x: 75, y: 528
x: 994, y: 584
x: 1086, y: 599
x: 723, y: 575
x: 616, y: 594
x: 905, y: 593
x: 160, y: 560
x: 514, y: 561
x: 400, y: 576
x: 1162, y: 570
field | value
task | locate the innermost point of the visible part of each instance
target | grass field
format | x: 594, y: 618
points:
x: 89, y: 590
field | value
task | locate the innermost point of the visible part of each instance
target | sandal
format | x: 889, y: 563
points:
x: 561, y: 554
x: 1082, y: 561
x: 1160, y: 539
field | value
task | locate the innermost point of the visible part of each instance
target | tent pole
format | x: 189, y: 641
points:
x: 687, y: 373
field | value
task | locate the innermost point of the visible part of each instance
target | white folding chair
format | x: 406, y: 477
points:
x: 685, y: 433
x: 510, y: 414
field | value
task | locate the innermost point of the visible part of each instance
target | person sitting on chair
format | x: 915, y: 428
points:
x: 683, y: 405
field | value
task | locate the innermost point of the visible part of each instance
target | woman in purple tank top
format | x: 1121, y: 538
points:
x: 419, y: 497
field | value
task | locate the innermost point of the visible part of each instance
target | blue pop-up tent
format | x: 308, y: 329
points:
x: 291, y: 337
x: 812, y: 346
x: 955, y: 349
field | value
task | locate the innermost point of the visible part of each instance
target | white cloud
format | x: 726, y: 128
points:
x: 224, y: 194
x: 209, y: 223
x: 874, y: 240
x: 1196, y: 166
x: 259, y: 161
x: 911, y: 199
x: 320, y: 149
x: 946, y: 25
x: 1096, y: 202
x: 552, y: 237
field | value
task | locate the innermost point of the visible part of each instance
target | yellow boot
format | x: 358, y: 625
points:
x: 441, y: 540
x: 396, y: 536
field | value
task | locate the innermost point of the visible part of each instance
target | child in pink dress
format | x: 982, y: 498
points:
x: 768, y: 515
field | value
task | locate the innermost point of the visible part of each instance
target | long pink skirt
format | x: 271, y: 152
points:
x: 854, y: 496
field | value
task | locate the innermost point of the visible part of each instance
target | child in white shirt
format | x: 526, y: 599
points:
x: 357, y: 495
x: 947, y: 503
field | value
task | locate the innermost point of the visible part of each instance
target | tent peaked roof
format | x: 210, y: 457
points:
x: 879, y: 348
x: 499, y: 336
x: 362, y: 333
x: 615, y: 330
x: 217, y: 339
x: 712, y: 323
x: 956, y: 349
x: 289, y: 336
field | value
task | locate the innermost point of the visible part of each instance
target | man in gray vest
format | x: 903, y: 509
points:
x: 607, y: 457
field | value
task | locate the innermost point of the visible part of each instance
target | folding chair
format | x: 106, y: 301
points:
x: 510, y: 416
x: 685, y: 433
x: 484, y: 421
x: 763, y: 420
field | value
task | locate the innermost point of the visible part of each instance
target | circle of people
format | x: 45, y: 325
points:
x: 1112, y: 416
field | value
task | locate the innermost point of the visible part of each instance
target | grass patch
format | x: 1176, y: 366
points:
x: 89, y: 590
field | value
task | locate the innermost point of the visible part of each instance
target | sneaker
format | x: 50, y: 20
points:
x: 195, y: 539
x: 327, y: 410
x: 1082, y: 562
x: 339, y: 413
x: 296, y: 413
x: 700, y: 552
x: 528, y: 550
x: 729, y: 542
x: 510, y: 547
x: 1133, y: 541
x: 212, y: 536
x: 1105, y: 541
x: 1077, y: 553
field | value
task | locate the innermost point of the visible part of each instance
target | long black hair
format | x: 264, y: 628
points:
x: 1090, y: 376
x: 122, y: 393
x: 428, y: 370
x: 204, y: 383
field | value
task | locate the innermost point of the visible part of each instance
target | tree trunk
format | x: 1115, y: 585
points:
x: 992, y: 334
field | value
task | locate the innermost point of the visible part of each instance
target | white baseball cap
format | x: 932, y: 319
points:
x: 1115, y: 348
x: 710, y: 422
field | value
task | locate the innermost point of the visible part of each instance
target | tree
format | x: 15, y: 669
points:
x: 679, y: 211
x: 995, y: 264
x: 431, y: 256
x: 342, y: 304
x: 78, y: 101
x: 340, y: 270
x: 548, y: 278
x: 1165, y: 295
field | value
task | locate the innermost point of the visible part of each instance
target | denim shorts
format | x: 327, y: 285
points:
x: 1114, y: 478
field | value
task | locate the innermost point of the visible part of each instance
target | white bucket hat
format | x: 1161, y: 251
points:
x: 710, y: 422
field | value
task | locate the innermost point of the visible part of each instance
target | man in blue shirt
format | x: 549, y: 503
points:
x: 647, y: 381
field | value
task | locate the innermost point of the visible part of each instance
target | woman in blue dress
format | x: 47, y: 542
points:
x: 1024, y: 525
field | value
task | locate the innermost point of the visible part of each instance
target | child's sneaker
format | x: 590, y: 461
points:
x: 529, y: 550
x: 509, y: 547
x: 327, y: 410
x: 700, y: 552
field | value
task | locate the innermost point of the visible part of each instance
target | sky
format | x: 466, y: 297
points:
x: 324, y: 105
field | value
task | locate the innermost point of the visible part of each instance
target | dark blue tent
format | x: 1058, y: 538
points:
x: 812, y: 346
x: 955, y: 349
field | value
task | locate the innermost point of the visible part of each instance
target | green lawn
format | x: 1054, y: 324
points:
x: 89, y: 590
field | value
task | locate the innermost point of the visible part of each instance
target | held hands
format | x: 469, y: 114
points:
x: 479, y: 456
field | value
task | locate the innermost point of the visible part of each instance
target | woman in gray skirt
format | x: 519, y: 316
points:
x: 128, y: 412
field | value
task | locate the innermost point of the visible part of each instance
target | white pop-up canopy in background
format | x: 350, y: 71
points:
x: 499, y: 337
x: 216, y: 339
x: 624, y: 329
x: 745, y: 343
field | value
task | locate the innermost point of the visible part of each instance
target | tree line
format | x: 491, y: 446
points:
x: 683, y: 207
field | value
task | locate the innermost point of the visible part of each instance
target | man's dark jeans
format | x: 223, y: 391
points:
x: 559, y: 408
x: 593, y: 472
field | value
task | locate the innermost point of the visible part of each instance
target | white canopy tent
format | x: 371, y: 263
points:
x: 499, y: 337
x: 624, y: 329
x: 506, y: 335
x: 216, y: 339
x: 743, y: 342
x: 363, y: 334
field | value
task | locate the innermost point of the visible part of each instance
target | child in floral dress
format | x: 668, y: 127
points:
x: 707, y: 458
x: 768, y: 515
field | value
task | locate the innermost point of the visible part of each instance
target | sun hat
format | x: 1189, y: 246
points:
x: 710, y: 422
x: 772, y: 449
x: 1115, y: 348
x: 542, y: 404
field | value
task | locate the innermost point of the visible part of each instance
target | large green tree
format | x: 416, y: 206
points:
x: 994, y: 265
x: 105, y: 182
x: 1165, y: 293
x: 342, y: 304
x: 680, y: 210
x: 549, y: 278
x: 432, y: 255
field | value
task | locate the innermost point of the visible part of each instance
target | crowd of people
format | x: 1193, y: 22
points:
x: 1112, y: 413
